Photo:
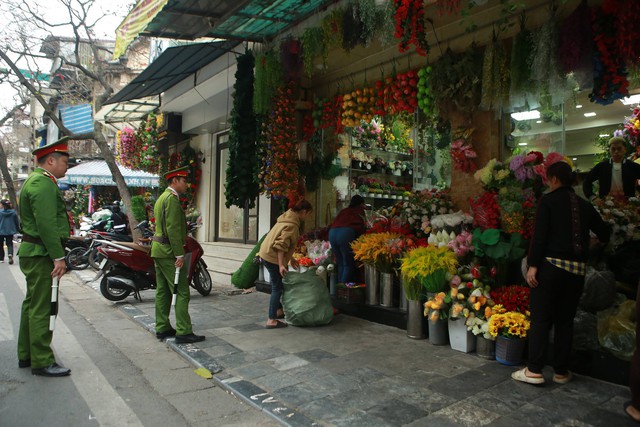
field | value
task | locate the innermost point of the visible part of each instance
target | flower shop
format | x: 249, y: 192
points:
x: 444, y: 116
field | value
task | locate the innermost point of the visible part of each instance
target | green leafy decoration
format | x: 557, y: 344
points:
x: 139, y: 208
x: 498, y: 245
x: 241, y: 188
x: 268, y: 78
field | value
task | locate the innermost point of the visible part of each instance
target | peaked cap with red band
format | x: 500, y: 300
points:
x: 183, y: 171
x: 60, y: 146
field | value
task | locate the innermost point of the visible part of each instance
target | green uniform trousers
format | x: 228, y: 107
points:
x: 34, y: 339
x: 165, y: 273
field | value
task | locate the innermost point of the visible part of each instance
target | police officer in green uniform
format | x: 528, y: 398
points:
x: 167, y: 251
x: 44, y: 225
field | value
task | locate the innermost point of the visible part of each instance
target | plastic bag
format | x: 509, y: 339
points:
x: 306, y: 300
x: 617, y: 329
x: 599, y: 290
x: 585, y: 331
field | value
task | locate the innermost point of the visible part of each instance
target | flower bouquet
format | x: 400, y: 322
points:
x: 463, y: 155
x: 319, y: 252
x: 512, y: 298
x: 623, y: 216
x: 508, y: 324
x: 367, y: 135
x: 374, y: 249
x: 427, y: 266
x: 485, y: 209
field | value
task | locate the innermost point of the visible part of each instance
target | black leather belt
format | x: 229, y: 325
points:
x: 161, y: 239
x: 31, y: 239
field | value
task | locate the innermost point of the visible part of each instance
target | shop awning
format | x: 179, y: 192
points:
x: 243, y: 20
x: 127, y: 113
x: 174, y: 65
x: 98, y: 173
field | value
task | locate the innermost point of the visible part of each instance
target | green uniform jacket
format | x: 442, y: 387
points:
x: 176, y: 226
x: 43, y: 214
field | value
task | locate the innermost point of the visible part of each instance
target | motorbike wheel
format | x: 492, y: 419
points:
x: 110, y: 293
x: 201, y: 280
x: 95, y: 258
x: 76, y: 259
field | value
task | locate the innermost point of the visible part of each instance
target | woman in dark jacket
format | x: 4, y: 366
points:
x: 348, y: 225
x: 557, y: 265
x: 9, y: 226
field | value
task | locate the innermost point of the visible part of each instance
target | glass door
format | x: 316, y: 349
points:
x: 233, y: 224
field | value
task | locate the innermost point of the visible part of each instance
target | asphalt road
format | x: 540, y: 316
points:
x: 121, y: 375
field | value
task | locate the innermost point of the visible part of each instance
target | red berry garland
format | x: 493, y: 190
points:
x: 410, y: 26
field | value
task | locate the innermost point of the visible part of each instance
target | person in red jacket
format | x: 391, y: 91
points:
x: 348, y: 225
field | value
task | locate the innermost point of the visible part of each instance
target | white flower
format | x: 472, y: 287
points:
x: 330, y: 267
x: 320, y: 270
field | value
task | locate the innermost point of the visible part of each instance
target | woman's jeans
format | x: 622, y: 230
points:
x: 340, y: 239
x: 276, y: 289
x: 9, y: 240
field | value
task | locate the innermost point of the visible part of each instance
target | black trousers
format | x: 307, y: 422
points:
x: 634, y: 369
x: 8, y: 239
x: 553, y: 303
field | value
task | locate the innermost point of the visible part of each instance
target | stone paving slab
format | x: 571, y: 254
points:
x: 359, y: 373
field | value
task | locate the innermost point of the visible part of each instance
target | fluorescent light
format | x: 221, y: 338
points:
x: 589, y: 114
x: 603, y: 135
x: 629, y: 100
x: 522, y: 144
x: 574, y: 158
x: 538, y: 121
x: 526, y: 115
x: 579, y: 106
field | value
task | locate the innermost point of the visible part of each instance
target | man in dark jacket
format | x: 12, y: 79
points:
x: 617, y: 177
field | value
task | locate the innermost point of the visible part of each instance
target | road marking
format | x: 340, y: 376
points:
x: 101, y: 398
x: 6, y: 327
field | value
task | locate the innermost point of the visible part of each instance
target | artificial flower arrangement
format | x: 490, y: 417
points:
x: 470, y: 295
x: 374, y: 249
x: 418, y: 210
x: 436, y: 307
x: 314, y: 254
x: 462, y: 245
x: 441, y: 238
x: 623, y: 216
x: 127, y: 148
x: 485, y: 209
x: 367, y: 135
x: 512, y: 298
x: 463, y: 156
x: 509, y: 324
x: 428, y: 266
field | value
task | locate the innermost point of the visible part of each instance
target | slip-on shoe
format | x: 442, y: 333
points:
x: 166, y: 334
x: 53, y: 370
x: 562, y: 379
x: 521, y: 376
x: 24, y: 363
x: 189, y: 338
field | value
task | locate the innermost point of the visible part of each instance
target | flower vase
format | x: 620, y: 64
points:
x: 414, y: 320
x: 438, y: 332
x: 485, y: 348
x: 404, y: 302
x: 510, y: 351
x: 386, y: 289
x: 333, y: 283
x: 371, y: 278
x: 460, y: 338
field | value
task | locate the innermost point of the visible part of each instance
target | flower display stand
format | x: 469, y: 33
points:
x: 485, y: 348
x: 414, y: 320
x: 386, y: 289
x: 438, y: 332
x: 510, y: 351
x: 459, y: 337
x: 371, y: 278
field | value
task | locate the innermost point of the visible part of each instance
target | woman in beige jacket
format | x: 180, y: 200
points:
x: 276, y: 251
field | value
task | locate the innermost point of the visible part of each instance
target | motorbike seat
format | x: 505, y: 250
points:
x: 118, y: 237
x: 136, y: 246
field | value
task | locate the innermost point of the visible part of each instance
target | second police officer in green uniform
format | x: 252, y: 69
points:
x: 44, y: 224
x: 167, y: 251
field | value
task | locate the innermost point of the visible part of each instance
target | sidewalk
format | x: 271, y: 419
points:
x: 359, y: 373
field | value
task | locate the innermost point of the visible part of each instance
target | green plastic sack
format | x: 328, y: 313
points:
x: 245, y: 277
x: 306, y: 300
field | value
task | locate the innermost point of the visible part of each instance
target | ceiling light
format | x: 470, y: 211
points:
x: 603, y: 135
x: 526, y: 115
x: 574, y: 158
x: 522, y: 144
x: 579, y: 106
x: 629, y: 100
x: 589, y: 114
x: 538, y: 121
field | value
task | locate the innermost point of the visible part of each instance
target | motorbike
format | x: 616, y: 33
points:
x: 128, y: 268
x: 82, y: 252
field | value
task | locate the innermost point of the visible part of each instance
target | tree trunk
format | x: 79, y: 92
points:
x: 110, y: 159
x: 6, y: 175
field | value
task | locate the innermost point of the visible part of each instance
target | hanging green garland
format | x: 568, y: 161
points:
x: 268, y: 78
x: 522, y: 87
x: 495, y: 77
x: 241, y: 189
x: 313, y: 46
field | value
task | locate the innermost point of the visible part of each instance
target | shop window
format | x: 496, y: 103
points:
x: 232, y: 224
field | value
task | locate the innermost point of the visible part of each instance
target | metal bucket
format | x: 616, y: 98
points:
x: 386, y: 289
x: 403, y: 304
x: 372, y: 294
x: 414, y: 320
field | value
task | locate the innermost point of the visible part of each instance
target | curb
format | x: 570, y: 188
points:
x: 244, y: 390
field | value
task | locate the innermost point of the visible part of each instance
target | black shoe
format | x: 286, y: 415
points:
x: 24, y: 363
x: 53, y: 370
x: 10, y: 259
x: 166, y: 334
x: 189, y: 338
